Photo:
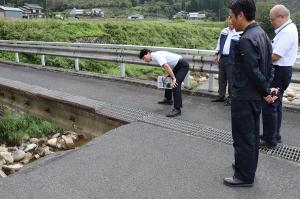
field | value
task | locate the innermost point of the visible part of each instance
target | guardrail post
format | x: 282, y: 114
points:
x: 211, y: 82
x: 43, y: 60
x: 77, y: 64
x: 187, y: 80
x: 122, y: 70
x: 17, y: 58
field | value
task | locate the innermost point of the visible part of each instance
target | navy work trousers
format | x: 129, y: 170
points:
x: 272, y: 113
x: 245, y: 118
x: 180, y: 71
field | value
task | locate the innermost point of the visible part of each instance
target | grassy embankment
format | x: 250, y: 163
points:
x: 16, y: 126
x: 184, y: 34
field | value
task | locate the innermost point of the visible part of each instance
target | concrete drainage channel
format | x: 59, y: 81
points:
x: 94, y: 118
x: 76, y: 114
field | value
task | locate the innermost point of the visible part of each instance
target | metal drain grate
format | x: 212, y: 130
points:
x: 284, y: 151
x: 123, y: 113
x: 191, y: 128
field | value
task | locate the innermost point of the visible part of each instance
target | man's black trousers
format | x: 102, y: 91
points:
x: 180, y: 71
x: 272, y: 113
x: 245, y: 118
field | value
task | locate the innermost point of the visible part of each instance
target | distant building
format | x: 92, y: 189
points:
x: 76, y: 13
x: 97, y: 12
x: 136, y: 16
x: 9, y: 12
x: 195, y: 15
x: 32, y: 11
x: 180, y: 15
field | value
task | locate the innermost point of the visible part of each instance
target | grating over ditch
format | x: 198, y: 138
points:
x: 195, y: 129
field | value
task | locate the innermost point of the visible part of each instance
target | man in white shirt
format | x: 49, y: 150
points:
x: 285, y: 47
x: 177, y: 68
x: 225, y: 58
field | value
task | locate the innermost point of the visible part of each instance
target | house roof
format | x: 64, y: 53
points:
x: 10, y: 9
x: 32, y: 6
x: 75, y: 11
x: 25, y: 10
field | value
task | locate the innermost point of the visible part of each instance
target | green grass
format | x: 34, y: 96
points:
x: 13, y: 129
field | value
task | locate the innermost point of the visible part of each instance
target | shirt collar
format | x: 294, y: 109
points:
x: 252, y: 25
x: 280, y: 27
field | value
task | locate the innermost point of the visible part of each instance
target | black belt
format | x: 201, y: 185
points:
x: 224, y: 55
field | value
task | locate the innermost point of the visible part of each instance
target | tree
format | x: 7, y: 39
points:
x: 296, y: 20
x: 262, y: 17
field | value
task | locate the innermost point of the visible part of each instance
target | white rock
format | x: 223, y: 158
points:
x: 52, y: 142
x: 30, y: 147
x: 36, y: 156
x: 68, y: 140
x: 33, y: 140
x: 291, y: 94
x: 18, y: 155
x: 202, y: 79
x: 13, y: 167
x: 290, y: 99
x: 3, y: 149
x: 56, y: 135
x: 2, y: 162
x: 7, y: 157
x: 27, y: 158
x: 2, y: 174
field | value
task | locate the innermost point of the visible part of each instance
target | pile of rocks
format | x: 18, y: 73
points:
x: 291, y: 94
x: 14, y: 158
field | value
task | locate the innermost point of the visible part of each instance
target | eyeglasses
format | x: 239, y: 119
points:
x: 273, y: 19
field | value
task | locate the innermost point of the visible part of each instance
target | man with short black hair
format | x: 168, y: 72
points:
x: 177, y: 68
x: 285, y: 47
x: 251, y: 78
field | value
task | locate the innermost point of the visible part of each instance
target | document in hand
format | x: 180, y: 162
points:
x: 164, y: 82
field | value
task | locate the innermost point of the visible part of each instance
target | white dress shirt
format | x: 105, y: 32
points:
x: 164, y: 57
x: 285, y: 44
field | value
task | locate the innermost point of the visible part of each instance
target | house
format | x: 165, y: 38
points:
x: 195, y: 15
x: 32, y: 11
x: 75, y: 13
x: 9, y: 12
x: 97, y: 12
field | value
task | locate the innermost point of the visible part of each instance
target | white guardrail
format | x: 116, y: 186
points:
x: 199, y: 60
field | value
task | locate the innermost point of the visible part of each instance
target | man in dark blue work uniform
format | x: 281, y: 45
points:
x: 251, y: 78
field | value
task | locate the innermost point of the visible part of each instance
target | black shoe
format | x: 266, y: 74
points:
x: 279, y: 141
x: 219, y: 99
x: 265, y: 144
x: 228, y: 102
x: 235, y: 182
x: 166, y: 101
x: 174, y: 112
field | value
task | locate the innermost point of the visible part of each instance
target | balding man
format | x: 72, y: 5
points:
x: 285, y: 47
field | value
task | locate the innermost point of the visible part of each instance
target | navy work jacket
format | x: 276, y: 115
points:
x: 252, y: 72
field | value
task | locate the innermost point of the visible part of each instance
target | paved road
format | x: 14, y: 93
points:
x: 140, y: 160
x: 197, y: 109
